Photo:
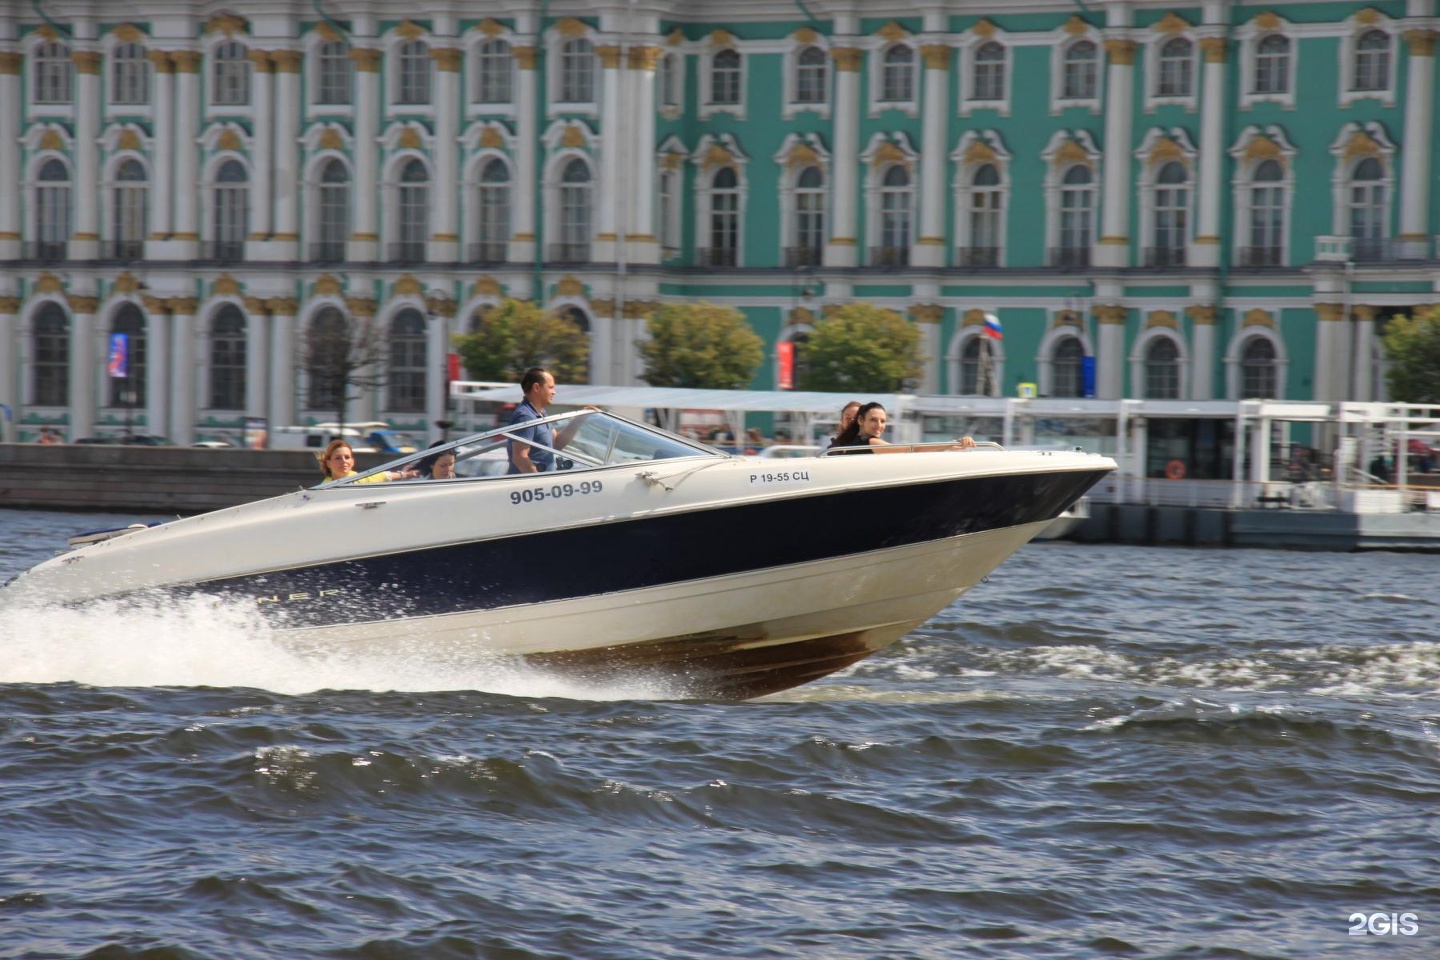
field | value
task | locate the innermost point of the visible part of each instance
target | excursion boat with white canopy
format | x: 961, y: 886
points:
x: 643, y: 555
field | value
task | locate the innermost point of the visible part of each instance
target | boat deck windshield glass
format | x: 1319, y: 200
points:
x: 600, y: 440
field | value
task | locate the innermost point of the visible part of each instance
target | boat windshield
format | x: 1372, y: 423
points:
x: 597, y: 439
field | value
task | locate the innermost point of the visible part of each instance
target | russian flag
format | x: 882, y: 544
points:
x: 992, y: 327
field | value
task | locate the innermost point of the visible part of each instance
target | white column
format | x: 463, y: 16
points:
x: 281, y: 411
x: 444, y: 243
x: 613, y: 150
x: 184, y: 401
x: 642, y: 245
x: 522, y: 220
x: 162, y: 367
x: 1415, y: 160
x: 364, y: 243
x: 1114, y: 250
x: 1360, y: 352
x: 841, y: 249
x: 285, y: 230
x: 83, y: 368
x: 9, y: 363
x: 262, y: 145
x: 10, y: 67
x: 1202, y: 352
x: 257, y: 358
x: 85, y: 241
x: 1110, y: 358
x: 1206, y: 249
x: 930, y: 249
x: 187, y: 153
x: 162, y: 185
x: 1328, y: 345
x: 437, y: 348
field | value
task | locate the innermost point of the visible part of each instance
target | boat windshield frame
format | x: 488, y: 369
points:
x: 624, y: 443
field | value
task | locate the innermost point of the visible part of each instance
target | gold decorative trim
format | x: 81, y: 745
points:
x: 85, y: 305
x: 128, y: 140
x: 1121, y: 52
x: 486, y: 286
x: 574, y: 137
x: 9, y: 306
x: 87, y: 62
x: 410, y: 139
x: 287, y: 61
x: 410, y: 30
x: 407, y: 286
x: 1259, y: 317
x: 1163, y: 151
x: 1202, y: 315
x: 11, y: 64
x: 367, y: 59
x: 1216, y: 49
x: 847, y: 59
x: 186, y: 61
x: 47, y: 282
x: 490, y: 27
x: 1162, y: 318
x: 524, y: 57
x: 1207, y: 240
x: 1368, y: 16
x: 568, y: 286
x: 1065, y: 318
x: 929, y: 313
x: 161, y: 60
x: 720, y: 39
x: 229, y: 140
x: 892, y: 31
x: 183, y: 306
x: 331, y: 139
x: 1420, y: 42
x: 226, y: 23
x: 1171, y: 24
x: 327, y: 32
x: 1112, y: 314
x: 570, y: 27
x: 1330, y: 312
x: 283, y: 306
x: 1114, y: 241
x: 644, y: 58
x: 225, y: 286
x: 889, y: 153
x: 447, y: 59
x: 675, y: 37
x: 806, y: 35
x: 1269, y: 20
x: 326, y: 285
x: 936, y: 56
x: 984, y: 27
x: 129, y: 33
x: 360, y: 307
x: 1076, y: 27
x: 800, y: 155
x: 491, y: 139
x: 800, y: 317
x: 260, y: 61
x: 51, y: 140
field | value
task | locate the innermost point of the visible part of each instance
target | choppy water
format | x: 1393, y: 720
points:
x: 1103, y: 751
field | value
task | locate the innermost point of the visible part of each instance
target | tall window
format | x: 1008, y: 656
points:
x: 493, y: 72
x: 1257, y: 370
x: 895, y: 216
x: 1372, y: 61
x: 669, y: 206
x: 989, y: 72
x: 333, y: 213
x: 1367, y: 209
x: 413, y: 210
x: 52, y: 74
x: 575, y: 190
x: 1066, y: 379
x: 984, y: 215
x: 129, y: 221
x: 725, y: 78
x: 129, y: 75
x: 1267, y: 215
x: 1081, y: 71
x: 52, y: 210
x: 334, y: 71
x: 1272, y: 64
x: 668, y: 80
x: 971, y: 366
x: 327, y: 355
x: 1172, y: 212
x: 129, y: 391
x: 230, y: 75
x: 494, y: 232
x: 1162, y: 370
x: 232, y: 210
x: 51, y: 370
x: 809, y: 217
x: 414, y: 73
x: 897, y: 75
x: 1176, y: 68
x: 724, y: 218
x: 227, y: 359
x: 407, y: 362
x: 811, y: 76
x: 577, y: 72
x: 1077, y: 216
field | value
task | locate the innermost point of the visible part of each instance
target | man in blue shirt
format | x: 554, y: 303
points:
x: 539, y: 388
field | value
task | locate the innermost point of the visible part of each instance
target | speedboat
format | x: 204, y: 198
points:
x: 643, y: 555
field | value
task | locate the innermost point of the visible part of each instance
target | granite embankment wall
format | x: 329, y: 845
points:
x: 152, y: 480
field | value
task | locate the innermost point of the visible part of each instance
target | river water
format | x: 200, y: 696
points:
x: 1102, y: 751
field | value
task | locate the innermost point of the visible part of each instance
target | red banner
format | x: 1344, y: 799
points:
x: 785, y: 364
x: 452, y: 366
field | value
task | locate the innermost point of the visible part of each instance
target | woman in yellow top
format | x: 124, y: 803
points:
x: 338, y: 463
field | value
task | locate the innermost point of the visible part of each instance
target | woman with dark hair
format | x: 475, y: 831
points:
x: 863, y: 434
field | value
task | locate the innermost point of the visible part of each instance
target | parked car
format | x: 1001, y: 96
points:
x: 147, y: 440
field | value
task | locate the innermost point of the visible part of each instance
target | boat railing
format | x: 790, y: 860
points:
x: 929, y: 446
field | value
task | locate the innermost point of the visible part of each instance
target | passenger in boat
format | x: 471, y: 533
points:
x: 539, y: 388
x: 337, y: 462
x: 863, y: 434
x: 438, y: 466
x: 847, y: 417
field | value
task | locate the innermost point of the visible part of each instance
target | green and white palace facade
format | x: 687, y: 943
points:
x: 1204, y: 202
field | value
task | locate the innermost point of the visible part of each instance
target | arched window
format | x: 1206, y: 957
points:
x: 230, y: 75
x: 1172, y: 215
x: 407, y: 362
x: 582, y: 323
x: 1272, y: 64
x: 989, y: 72
x: 52, y: 210
x: 575, y: 195
x: 1367, y: 210
x: 51, y: 357
x: 897, y: 75
x: 725, y: 78
x: 812, y: 74
x: 227, y: 359
x: 129, y: 391
x: 412, y: 207
x: 413, y: 82
x: 577, y: 71
x: 1267, y: 215
x: 1081, y: 71
x: 1066, y: 359
x: 52, y: 74
x: 667, y: 80
x: 494, y: 69
x: 809, y: 218
x: 129, y: 75
x: 896, y: 197
x: 1077, y: 217
x: 984, y: 217
x: 333, y: 213
x: 334, y: 73
x: 129, y: 211
x: 1162, y: 370
x: 1176, y: 68
x: 231, y: 213
x: 327, y: 359
x: 1257, y: 370
x: 724, y: 219
x: 494, y: 225
x: 972, y: 362
x: 1372, y: 61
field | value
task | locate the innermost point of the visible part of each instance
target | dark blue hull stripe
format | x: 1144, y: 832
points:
x: 650, y: 551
